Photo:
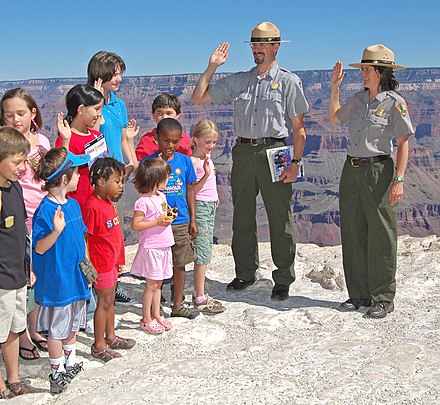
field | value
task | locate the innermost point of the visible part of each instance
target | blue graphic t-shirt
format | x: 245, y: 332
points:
x: 182, y: 174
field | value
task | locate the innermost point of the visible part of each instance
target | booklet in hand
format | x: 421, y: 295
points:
x: 279, y: 160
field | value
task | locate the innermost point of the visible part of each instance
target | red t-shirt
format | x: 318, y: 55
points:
x: 76, y: 146
x: 147, y: 145
x: 106, y: 242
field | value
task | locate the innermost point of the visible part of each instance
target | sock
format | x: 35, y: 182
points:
x: 57, y: 366
x: 70, y: 353
x: 199, y: 300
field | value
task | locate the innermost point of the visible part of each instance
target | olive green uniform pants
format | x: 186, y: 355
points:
x: 250, y: 175
x: 368, y: 230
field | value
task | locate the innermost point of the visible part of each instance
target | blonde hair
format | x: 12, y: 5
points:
x: 202, y: 128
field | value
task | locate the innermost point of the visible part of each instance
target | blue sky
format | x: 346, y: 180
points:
x: 43, y: 39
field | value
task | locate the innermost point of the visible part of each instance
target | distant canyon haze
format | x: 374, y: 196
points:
x: 315, y: 197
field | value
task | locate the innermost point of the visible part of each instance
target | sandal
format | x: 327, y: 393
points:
x: 40, y: 343
x: 21, y: 388
x: 105, y: 355
x: 121, y: 343
x: 153, y: 327
x: 184, y: 312
x: 164, y: 322
x: 6, y: 394
x: 34, y: 351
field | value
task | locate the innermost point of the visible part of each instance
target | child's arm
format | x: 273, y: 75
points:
x: 138, y: 223
x: 63, y: 128
x: 44, y: 244
x: 199, y: 184
x: 191, y: 200
x: 128, y: 149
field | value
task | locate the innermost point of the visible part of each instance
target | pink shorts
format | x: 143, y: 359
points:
x: 107, y: 279
x: 153, y: 264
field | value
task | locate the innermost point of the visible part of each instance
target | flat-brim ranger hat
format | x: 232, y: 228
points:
x: 70, y: 161
x: 265, y: 32
x: 378, y: 55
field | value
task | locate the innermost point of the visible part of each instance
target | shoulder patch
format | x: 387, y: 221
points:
x: 401, y: 107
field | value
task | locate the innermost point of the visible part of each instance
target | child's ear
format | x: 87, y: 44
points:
x: 80, y: 109
x: 156, y: 138
x: 177, y: 116
x: 33, y: 113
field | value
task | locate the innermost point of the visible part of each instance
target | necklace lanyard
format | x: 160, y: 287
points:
x: 164, y: 205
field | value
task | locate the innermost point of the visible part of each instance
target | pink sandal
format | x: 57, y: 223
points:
x: 152, y: 327
x: 164, y: 322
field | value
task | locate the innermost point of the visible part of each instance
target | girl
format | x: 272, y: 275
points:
x: 19, y: 110
x: 204, y: 141
x: 153, y: 259
x: 84, y: 105
x: 106, y: 249
x: 58, y: 249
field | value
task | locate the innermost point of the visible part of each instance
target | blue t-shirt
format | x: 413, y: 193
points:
x: 59, y: 278
x: 113, y: 120
x: 182, y: 174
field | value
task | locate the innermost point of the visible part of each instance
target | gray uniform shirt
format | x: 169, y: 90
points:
x: 372, y: 124
x: 263, y: 107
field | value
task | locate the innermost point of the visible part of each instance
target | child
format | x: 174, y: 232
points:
x: 104, y: 72
x: 14, y: 149
x: 84, y: 104
x: 153, y: 259
x: 106, y: 249
x: 58, y: 249
x: 204, y: 141
x: 19, y: 110
x: 164, y: 105
x: 180, y: 194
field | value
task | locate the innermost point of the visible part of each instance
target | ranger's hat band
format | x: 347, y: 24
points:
x: 273, y: 39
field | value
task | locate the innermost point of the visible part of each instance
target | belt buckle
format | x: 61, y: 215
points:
x: 352, y: 162
x: 254, y: 141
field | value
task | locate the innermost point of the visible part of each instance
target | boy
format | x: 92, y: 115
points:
x: 180, y: 194
x: 14, y: 148
x: 164, y: 105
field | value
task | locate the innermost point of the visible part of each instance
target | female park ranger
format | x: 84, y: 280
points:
x: 371, y: 183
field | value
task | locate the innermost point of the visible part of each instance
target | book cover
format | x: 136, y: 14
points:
x: 279, y: 160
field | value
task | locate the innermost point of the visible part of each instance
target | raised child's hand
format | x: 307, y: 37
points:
x: 63, y: 127
x: 206, y: 166
x: 98, y: 85
x: 220, y: 55
x: 58, y: 220
x: 132, y: 130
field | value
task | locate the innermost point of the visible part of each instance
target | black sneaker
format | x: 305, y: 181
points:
x: 74, y: 370
x: 121, y: 298
x: 59, y: 384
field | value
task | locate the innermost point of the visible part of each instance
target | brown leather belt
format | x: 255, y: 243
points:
x: 366, y: 161
x: 259, y: 141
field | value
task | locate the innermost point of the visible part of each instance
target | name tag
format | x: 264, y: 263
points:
x: 96, y: 149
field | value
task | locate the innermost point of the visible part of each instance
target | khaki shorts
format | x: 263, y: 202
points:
x: 12, y: 312
x: 183, y: 249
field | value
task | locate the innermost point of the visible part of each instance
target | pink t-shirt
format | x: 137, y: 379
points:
x: 153, y: 207
x: 32, y: 192
x: 208, y: 192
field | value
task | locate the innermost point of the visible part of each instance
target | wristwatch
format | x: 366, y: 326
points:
x: 400, y: 179
x: 298, y: 162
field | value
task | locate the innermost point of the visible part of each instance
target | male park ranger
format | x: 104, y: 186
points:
x: 268, y: 100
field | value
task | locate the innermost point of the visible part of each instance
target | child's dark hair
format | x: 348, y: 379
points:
x: 37, y: 122
x: 103, y: 66
x: 49, y: 163
x: 103, y: 168
x: 164, y: 100
x: 12, y: 142
x: 150, y: 173
x: 168, y: 123
x: 81, y: 94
